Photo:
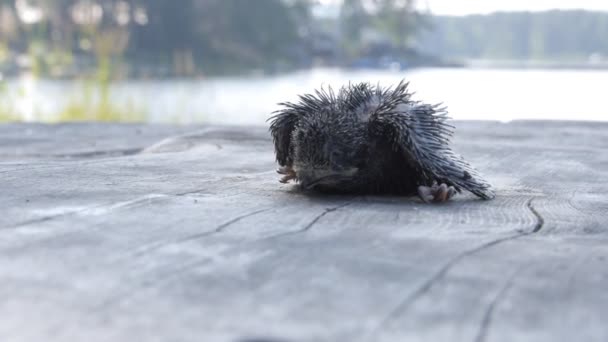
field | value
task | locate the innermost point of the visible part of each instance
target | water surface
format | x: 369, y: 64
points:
x: 485, y: 94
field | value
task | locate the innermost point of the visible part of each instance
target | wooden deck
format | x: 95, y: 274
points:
x: 159, y: 233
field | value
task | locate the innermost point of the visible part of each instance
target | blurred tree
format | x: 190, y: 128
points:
x: 396, y: 21
x: 222, y: 33
x: 188, y: 35
x: 399, y: 20
x: 520, y: 36
x: 354, y: 18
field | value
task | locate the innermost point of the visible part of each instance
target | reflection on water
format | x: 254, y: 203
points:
x: 469, y: 94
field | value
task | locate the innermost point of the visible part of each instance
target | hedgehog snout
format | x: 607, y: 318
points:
x: 311, y: 177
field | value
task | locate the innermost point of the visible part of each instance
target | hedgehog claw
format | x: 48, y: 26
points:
x: 287, y: 178
x: 288, y: 174
x: 425, y: 193
x: 438, y: 193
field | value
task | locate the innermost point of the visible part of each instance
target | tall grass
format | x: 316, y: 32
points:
x: 7, y: 110
x: 92, y: 101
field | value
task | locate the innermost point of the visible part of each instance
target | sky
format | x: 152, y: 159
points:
x: 464, y: 7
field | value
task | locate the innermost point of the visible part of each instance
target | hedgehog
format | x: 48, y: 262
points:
x: 367, y: 139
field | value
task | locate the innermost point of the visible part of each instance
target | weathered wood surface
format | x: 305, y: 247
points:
x: 154, y: 233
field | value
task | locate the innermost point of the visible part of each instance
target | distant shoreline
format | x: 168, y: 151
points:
x: 532, y: 65
x: 471, y: 65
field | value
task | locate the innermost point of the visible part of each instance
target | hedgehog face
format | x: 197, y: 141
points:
x: 327, y: 156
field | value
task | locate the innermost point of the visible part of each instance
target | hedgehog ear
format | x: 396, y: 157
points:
x: 282, y: 126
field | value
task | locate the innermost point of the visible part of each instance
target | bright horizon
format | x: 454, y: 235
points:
x: 465, y: 7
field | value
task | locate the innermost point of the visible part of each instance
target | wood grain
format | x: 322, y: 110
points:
x: 162, y: 233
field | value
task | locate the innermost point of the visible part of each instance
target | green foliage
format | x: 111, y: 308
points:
x: 84, y: 109
x: 7, y: 110
x: 185, y: 37
x: 221, y: 34
x: 398, y: 20
x: 395, y: 19
x: 94, y: 102
x: 6, y: 114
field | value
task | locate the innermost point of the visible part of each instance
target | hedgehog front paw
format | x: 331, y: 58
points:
x: 287, y: 172
x: 437, y: 193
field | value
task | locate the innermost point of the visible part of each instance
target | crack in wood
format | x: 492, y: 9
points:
x: 312, y: 222
x: 94, y: 154
x: 40, y: 220
x: 193, y: 237
x: 403, y: 305
x: 427, y: 285
x: 49, y: 218
x: 49, y: 166
x: 91, y: 156
x: 219, y: 229
x: 223, y: 226
x: 488, y: 316
x: 176, y: 272
x: 540, y: 221
x: 92, y: 209
x: 98, y: 207
x: 192, y: 192
x: 259, y: 339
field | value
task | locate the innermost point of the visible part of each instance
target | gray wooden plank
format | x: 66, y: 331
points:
x: 193, y: 238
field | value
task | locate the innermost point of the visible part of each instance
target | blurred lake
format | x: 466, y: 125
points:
x: 470, y: 94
